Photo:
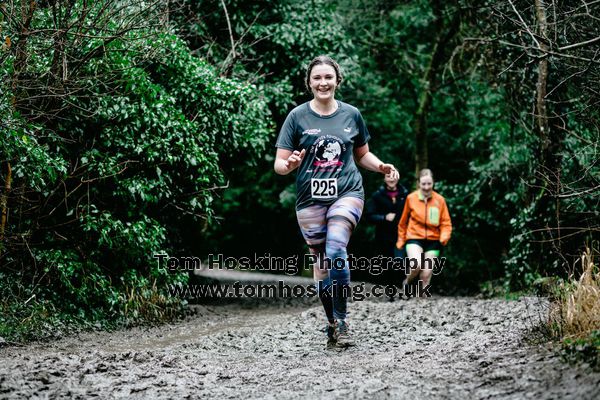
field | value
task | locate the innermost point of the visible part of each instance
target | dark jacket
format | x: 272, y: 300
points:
x: 378, y: 206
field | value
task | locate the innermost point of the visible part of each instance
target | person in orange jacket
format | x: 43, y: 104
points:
x: 425, y: 226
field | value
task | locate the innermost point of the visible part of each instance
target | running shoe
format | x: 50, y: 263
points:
x: 332, y: 334
x: 344, y: 338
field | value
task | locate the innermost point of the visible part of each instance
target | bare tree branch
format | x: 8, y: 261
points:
x: 228, y: 60
x: 580, y: 44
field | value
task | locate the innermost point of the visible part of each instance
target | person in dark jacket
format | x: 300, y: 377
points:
x: 384, y: 209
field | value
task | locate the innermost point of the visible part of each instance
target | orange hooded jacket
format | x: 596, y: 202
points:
x: 424, y: 219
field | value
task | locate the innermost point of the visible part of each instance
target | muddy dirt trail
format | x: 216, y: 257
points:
x: 441, y: 347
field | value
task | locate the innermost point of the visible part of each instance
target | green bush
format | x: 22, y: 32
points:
x: 114, y: 175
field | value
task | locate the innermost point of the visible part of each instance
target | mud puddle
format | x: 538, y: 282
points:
x: 441, y: 347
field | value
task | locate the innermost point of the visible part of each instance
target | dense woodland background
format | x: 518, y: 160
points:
x: 130, y: 128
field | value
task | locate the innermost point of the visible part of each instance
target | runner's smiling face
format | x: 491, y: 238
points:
x: 426, y: 185
x: 323, y: 82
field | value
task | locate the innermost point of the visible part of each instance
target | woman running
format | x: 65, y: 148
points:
x: 322, y: 138
x: 425, y: 226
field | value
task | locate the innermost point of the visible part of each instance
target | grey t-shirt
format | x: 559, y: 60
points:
x: 327, y: 171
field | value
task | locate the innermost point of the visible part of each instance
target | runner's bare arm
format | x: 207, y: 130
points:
x: 369, y: 161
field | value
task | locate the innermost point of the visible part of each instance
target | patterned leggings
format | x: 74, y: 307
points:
x: 327, y: 230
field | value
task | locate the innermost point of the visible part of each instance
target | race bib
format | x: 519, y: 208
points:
x: 324, y: 188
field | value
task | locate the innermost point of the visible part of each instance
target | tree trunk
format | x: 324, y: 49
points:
x: 542, y: 83
x: 27, y: 9
x: 445, y: 33
x: 4, y: 202
x: 551, y: 137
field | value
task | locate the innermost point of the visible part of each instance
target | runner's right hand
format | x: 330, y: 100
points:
x: 295, y: 159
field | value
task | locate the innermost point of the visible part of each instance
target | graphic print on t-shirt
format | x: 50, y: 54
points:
x: 327, y: 150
